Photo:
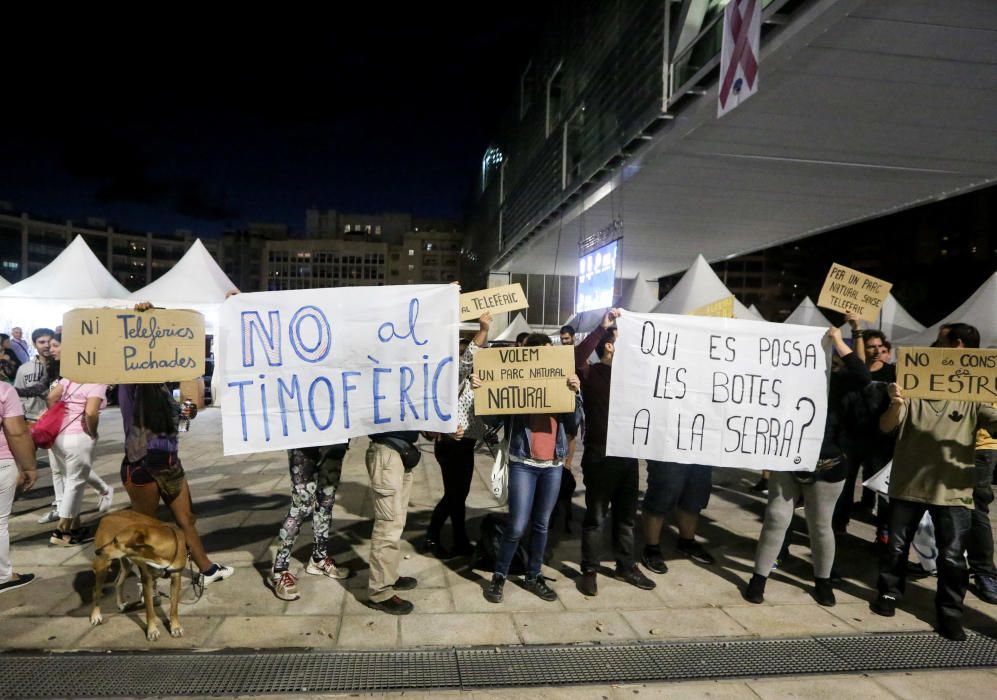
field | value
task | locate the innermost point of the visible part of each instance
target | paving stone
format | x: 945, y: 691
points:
x: 261, y: 631
x: 126, y: 631
x: 815, y: 688
x: 677, y: 624
x: 371, y: 631
x: 571, y: 627
x: 768, y: 620
x: 43, y: 633
x: 457, y: 629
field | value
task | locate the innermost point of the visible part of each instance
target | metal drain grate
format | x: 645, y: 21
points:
x: 257, y: 673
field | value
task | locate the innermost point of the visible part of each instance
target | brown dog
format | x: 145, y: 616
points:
x: 149, y: 544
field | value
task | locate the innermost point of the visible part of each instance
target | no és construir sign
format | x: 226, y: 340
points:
x: 121, y: 346
x: 723, y: 392
x: 948, y: 374
x: 319, y: 366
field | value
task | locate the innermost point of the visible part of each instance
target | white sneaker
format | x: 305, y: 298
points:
x: 50, y: 517
x: 284, y: 585
x: 221, y: 572
x: 104, y: 504
x: 327, y: 567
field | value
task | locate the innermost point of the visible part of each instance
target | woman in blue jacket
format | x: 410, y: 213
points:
x: 538, y: 444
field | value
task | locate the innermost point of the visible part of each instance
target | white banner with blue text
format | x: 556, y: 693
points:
x: 319, y: 366
x: 717, y: 391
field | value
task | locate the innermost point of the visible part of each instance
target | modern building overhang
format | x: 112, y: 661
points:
x: 865, y: 107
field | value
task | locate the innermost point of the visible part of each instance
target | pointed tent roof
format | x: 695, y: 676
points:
x: 807, y: 314
x: 518, y: 325
x: 895, y: 322
x: 977, y: 310
x: 75, y: 274
x: 698, y: 287
x: 4, y: 283
x: 754, y: 310
x: 195, y: 279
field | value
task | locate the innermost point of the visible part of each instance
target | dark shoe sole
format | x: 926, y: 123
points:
x: 407, y: 585
x: 390, y: 610
x: 654, y: 569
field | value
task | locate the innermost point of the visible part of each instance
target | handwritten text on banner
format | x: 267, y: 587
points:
x: 724, y: 392
x: 524, y: 380
x: 319, y: 366
x: 847, y: 290
x: 948, y: 374
x: 122, y: 346
x: 495, y: 300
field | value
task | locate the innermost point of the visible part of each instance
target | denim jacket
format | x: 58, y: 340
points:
x: 520, y: 436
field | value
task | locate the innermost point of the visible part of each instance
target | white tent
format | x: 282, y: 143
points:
x: 979, y: 310
x: 807, y: 314
x: 758, y: 314
x: 195, y: 282
x: 76, y: 278
x: 698, y: 287
x: 518, y: 325
x: 894, y: 321
x: 4, y: 283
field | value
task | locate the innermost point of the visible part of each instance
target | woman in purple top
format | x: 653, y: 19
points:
x: 151, y: 468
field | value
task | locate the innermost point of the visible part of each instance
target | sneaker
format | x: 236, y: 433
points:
x: 216, y: 572
x: 654, y: 562
x: 824, y: 592
x: 754, y: 592
x: 50, y: 517
x: 885, y: 605
x: 405, y: 583
x: 104, y: 504
x: 635, y: 577
x: 21, y: 580
x: 284, y: 585
x: 951, y: 628
x: 538, y: 587
x: 493, y: 591
x: 761, y: 487
x: 393, y: 606
x: 327, y: 567
x: 588, y: 585
x: 694, y: 550
x: 986, y: 588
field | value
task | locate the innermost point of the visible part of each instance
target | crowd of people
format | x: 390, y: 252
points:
x: 943, y: 455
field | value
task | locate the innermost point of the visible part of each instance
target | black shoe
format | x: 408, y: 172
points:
x: 538, y: 587
x: 835, y: 576
x: 694, y: 550
x: 824, y: 593
x: 754, y: 592
x: 885, y: 605
x: 761, y: 487
x: 433, y: 548
x: 951, y: 628
x: 587, y: 584
x: 654, y: 562
x: 21, y: 580
x: 986, y: 588
x: 635, y: 577
x: 393, y: 606
x: 405, y: 583
x: 493, y: 591
x: 462, y: 550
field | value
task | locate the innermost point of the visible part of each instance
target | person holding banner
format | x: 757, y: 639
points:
x: 538, y: 444
x: 820, y: 489
x: 611, y: 483
x: 17, y: 472
x: 933, y: 471
x: 455, y: 455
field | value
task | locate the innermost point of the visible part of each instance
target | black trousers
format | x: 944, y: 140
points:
x: 952, y: 525
x: 980, y: 545
x: 456, y: 458
x: 611, y: 487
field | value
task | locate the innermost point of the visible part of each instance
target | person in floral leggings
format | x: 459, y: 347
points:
x: 315, y: 475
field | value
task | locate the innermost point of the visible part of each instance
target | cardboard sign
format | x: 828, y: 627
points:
x: 497, y: 299
x: 724, y: 392
x: 721, y: 308
x: 948, y: 374
x: 121, y: 346
x: 524, y: 380
x: 847, y: 290
x: 318, y: 366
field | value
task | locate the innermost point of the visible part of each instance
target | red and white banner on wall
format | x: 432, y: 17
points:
x: 739, y: 56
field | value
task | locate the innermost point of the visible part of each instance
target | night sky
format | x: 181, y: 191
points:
x: 206, y: 125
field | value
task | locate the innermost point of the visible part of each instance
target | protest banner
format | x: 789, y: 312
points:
x: 721, y: 308
x: 847, y: 290
x: 496, y: 300
x: 524, y: 380
x: 723, y: 392
x: 948, y: 374
x: 319, y: 366
x: 121, y: 346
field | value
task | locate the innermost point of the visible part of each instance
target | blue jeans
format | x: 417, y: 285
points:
x: 532, y: 494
